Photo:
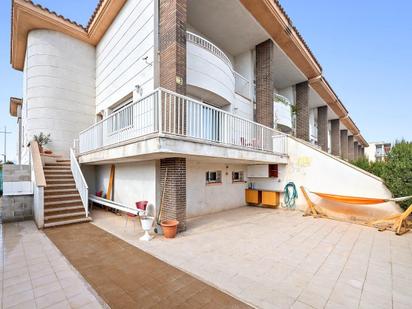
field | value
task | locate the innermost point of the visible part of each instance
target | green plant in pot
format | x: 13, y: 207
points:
x: 42, y: 140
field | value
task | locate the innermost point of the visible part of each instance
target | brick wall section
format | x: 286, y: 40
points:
x: 172, y: 45
x: 335, y: 137
x: 302, y: 114
x: 344, y: 144
x: 351, y: 154
x: 323, y: 127
x: 264, y: 83
x: 355, y: 150
x: 360, y: 151
x: 174, y: 199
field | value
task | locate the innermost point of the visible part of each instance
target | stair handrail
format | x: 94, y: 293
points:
x: 80, y: 181
x: 39, y: 183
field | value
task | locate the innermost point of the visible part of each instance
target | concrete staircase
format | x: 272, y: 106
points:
x: 62, y: 202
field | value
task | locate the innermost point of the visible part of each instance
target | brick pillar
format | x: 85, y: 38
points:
x: 344, y: 144
x: 355, y: 150
x: 172, y: 36
x: 264, y: 83
x: 351, y: 153
x: 172, y: 48
x: 323, y: 127
x: 360, y: 151
x: 335, y: 136
x: 174, y: 199
x: 363, y: 152
x: 302, y: 113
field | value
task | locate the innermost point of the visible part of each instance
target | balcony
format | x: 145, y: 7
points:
x: 167, y: 114
x: 210, y: 73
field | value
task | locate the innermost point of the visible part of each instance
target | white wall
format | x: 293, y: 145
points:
x: 320, y: 172
x: 119, y: 54
x: 370, y: 152
x: 205, y: 198
x: 133, y: 182
x: 58, y: 88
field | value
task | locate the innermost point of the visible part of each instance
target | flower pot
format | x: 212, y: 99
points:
x: 40, y: 149
x: 169, y: 228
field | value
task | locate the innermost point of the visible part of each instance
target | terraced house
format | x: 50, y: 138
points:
x: 181, y: 102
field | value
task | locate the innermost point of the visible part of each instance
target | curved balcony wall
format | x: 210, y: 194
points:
x: 209, y: 72
x: 283, y: 113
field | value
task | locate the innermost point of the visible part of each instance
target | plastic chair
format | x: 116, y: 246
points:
x: 141, y: 205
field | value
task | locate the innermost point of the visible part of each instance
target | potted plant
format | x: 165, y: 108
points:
x: 42, y: 140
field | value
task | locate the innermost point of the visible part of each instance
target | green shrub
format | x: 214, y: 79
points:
x: 397, y: 172
x: 377, y: 168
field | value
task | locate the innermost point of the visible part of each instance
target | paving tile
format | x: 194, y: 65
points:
x: 17, y: 299
x: 50, y: 299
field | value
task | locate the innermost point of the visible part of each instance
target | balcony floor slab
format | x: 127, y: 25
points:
x: 158, y: 147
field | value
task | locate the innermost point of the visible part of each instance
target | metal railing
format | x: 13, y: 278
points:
x: 81, y: 184
x: 243, y: 86
x: 169, y: 113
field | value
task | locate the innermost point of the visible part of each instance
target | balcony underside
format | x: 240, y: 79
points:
x: 155, y: 146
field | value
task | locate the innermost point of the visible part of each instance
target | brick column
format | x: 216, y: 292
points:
x: 172, y: 36
x: 302, y: 113
x: 360, y: 151
x: 172, y: 48
x: 174, y: 199
x: 323, y: 127
x: 344, y: 144
x: 351, y: 153
x: 355, y: 150
x: 335, y: 136
x: 264, y: 83
x: 363, y: 152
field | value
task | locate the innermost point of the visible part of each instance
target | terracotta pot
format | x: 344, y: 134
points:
x: 169, y: 228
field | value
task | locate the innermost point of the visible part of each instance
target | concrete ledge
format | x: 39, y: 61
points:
x: 159, y: 147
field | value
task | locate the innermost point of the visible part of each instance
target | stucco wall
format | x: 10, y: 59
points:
x: 205, y: 198
x: 320, y: 172
x: 132, y: 182
x: 58, y: 89
x: 119, y: 54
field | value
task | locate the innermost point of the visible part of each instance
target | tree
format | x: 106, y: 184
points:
x: 397, y: 173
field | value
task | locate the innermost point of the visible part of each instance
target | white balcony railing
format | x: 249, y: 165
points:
x: 243, y: 86
x: 168, y: 113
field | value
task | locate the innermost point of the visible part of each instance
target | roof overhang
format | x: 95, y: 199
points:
x: 27, y: 16
x: 275, y: 21
x: 14, y: 104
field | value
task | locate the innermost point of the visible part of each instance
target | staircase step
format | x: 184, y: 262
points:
x: 64, y: 176
x: 56, y: 168
x: 67, y: 165
x: 66, y: 209
x: 63, y: 160
x: 57, y: 172
x: 53, y: 187
x: 61, y: 197
x: 59, y: 191
x: 66, y: 182
x: 65, y: 202
x: 64, y: 222
x: 65, y: 215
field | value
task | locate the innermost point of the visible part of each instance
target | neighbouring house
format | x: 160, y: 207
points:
x: 201, y: 98
x: 377, y: 151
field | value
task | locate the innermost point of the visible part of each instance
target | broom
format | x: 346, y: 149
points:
x: 158, y: 228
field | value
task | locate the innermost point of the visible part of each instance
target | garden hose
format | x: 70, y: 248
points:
x: 290, y: 195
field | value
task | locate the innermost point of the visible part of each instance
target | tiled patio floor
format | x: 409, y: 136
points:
x: 34, y: 274
x: 279, y: 259
x: 127, y: 277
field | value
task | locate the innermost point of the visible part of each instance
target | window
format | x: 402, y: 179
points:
x: 214, y: 177
x: 273, y: 170
x: 237, y: 176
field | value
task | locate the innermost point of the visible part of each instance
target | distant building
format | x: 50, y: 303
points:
x: 377, y: 151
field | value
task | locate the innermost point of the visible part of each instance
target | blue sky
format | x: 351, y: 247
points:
x: 363, y: 46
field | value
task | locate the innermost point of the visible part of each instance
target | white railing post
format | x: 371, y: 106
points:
x: 81, y: 184
x: 160, y: 110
